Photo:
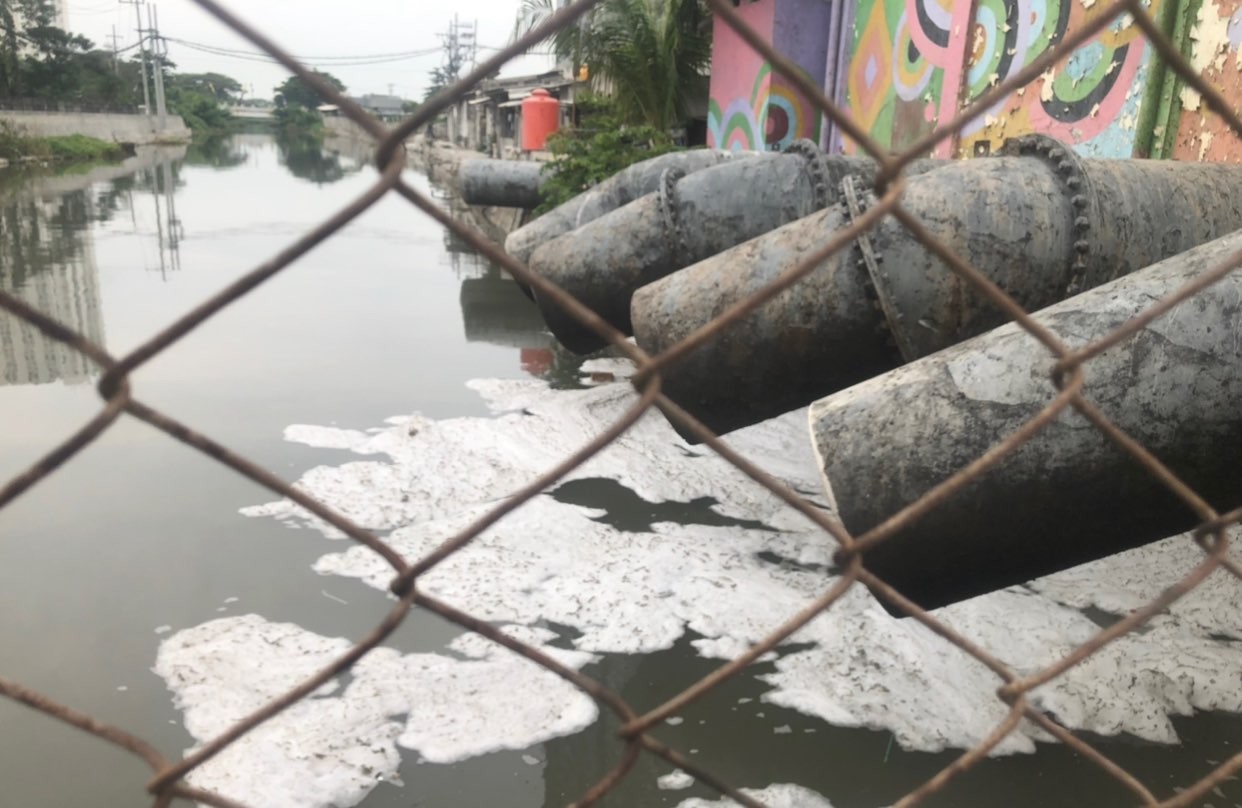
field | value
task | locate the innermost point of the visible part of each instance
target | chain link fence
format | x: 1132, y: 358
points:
x: 635, y: 738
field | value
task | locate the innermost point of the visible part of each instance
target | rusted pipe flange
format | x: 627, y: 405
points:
x: 814, y: 159
x: 1084, y: 202
x: 670, y: 209
x: 876, y: 284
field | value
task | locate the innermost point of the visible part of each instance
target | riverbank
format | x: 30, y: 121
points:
x: 440, y: 161
x: 18, y: 149
x: 137, y: 130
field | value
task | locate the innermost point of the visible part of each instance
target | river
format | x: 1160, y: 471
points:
x: 403, y: 379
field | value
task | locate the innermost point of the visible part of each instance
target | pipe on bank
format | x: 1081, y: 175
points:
x: 1068, y: 495
x: 1038, y: 221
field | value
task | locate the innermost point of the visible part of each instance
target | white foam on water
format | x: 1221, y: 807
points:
x: 435, y: 468
x: 674, y: 781
x: 776, y: 796
x: 638, y: 592
x: 332, y: 749
x: 325, y: 437
x: 620, y: 367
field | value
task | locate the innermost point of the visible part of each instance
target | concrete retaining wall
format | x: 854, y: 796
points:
x: 115, y: 127
x: 439, y: 160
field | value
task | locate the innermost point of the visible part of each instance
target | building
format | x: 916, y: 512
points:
x: 388, y: 108
x: 899, y: 74
x: 489, y: 118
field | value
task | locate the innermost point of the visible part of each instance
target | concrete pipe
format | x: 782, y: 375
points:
x: 1069, y: 495
x: 688, y: 219
x: 1042, y: 225
x: 501, y: 183
x: 620, y: 189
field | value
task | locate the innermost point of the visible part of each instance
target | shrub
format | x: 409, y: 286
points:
x: 593, y: 151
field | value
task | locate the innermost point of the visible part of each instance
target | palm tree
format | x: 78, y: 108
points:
x: 649, y: 56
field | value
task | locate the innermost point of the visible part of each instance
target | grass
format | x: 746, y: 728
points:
x: 16, y: 145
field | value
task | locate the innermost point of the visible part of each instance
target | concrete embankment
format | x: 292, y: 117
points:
x: 440, y: 161
x: 139, y: 130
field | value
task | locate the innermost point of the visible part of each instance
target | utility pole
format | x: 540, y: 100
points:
x: 115, y: 40
x: 157, y: 50
x: 142, y: 48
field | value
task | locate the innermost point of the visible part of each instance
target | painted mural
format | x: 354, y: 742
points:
x: 1216, y: 39
x: 752, y: 107
x: 740, y: 86
x: 915, y: 63
x: 905, y: 68
x: 1090, y: 100
x: 801, y: 32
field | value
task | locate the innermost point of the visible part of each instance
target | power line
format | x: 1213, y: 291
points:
x: 337, y: 61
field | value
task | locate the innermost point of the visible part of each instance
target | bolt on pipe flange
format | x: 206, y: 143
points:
x: 1071, y: 171
x: 869, y: 260
x: 817, y: 172
x: 670, y: 209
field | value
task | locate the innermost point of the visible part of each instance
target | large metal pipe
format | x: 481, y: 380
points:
x: 502, y: 183
x: 620, y: 189
x: 1070, y: 494
x: 687, y: 219
x: 1043, y: 225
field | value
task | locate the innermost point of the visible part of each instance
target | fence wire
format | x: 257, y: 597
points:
x: 634, y: 738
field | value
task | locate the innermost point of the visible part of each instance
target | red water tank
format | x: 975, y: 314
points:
x: 541, y: 116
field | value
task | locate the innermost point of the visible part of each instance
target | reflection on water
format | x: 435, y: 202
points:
x: 216, y: 152
x: 305, y: 157
x: 48, y: 260
x: 496, y: 311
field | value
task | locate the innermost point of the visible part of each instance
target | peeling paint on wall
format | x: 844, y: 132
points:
x: 940, y: 62
x: 1215, y: 39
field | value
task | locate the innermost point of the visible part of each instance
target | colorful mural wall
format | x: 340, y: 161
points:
x: 905, y: 67
x: 751, y: 107
x: 901, y: 67
x: 915, y: 63
x: 1090, y: 101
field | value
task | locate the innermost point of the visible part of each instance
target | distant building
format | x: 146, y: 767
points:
x: 489, y: 117
x: 388, y: 108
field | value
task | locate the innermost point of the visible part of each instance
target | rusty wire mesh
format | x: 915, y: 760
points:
x: 634, y: 739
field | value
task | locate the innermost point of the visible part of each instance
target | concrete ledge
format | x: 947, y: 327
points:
x: 114, y: 127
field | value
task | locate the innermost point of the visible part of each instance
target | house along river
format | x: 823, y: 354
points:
x: 404, y: 381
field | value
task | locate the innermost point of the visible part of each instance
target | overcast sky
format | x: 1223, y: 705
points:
x: 315, y: 28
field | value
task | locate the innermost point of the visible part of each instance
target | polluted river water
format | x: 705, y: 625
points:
x: 406, y: 383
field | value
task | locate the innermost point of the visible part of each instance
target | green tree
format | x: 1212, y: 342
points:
x: 304, y: 156
x: 649, y: 56
x: 224, y: 89
x: 55, y: 68
x: 297, y: 93
x: 201, y: 99
x: 17, y: 18
x: 445, y: 75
